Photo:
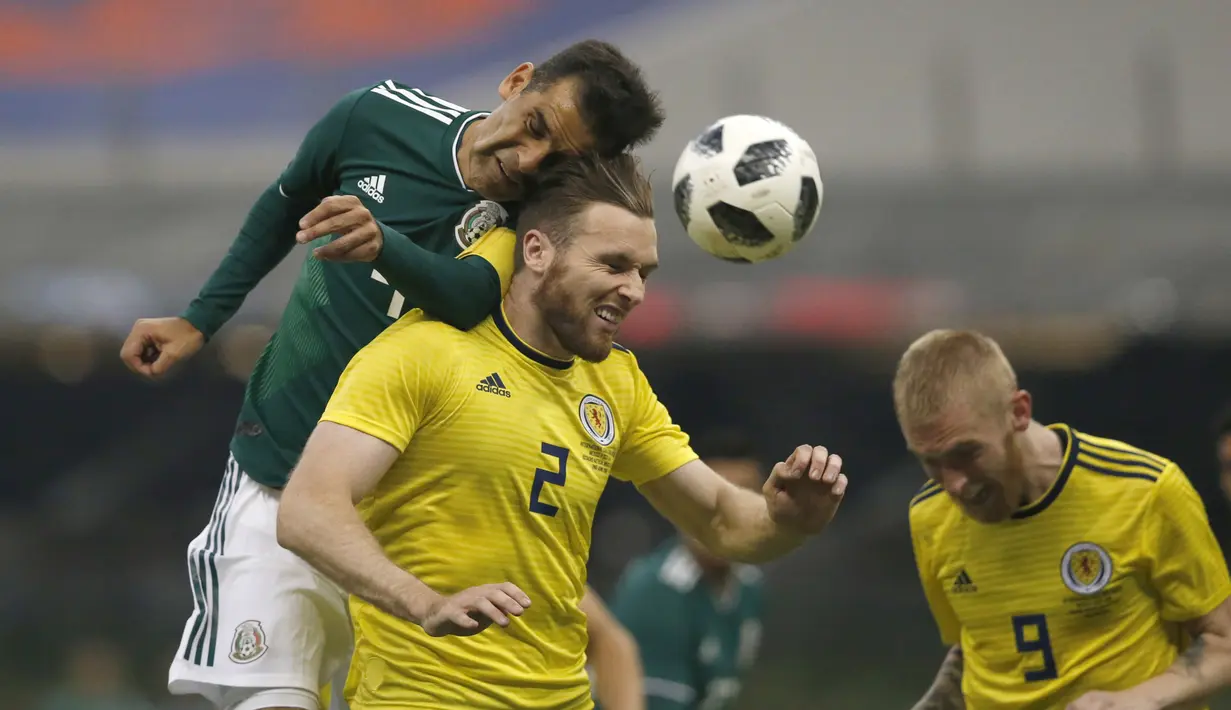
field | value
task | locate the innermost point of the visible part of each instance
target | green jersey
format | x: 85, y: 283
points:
x: 394, y: 147
x: 696, y: 640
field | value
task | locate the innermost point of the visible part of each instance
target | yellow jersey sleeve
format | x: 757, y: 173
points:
x: 946, y: 620
x: 654, y: 445
x: 1188, y: 568
x: 496, y: 248
x: 392, y: 384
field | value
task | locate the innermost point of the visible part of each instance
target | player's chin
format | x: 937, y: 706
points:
x: 597, y: 347
x: 988, y: 514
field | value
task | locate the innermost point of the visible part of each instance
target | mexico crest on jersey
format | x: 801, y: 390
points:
x: 249, y: 642
x: 1085, y: 568
x: 597, y: 419
x: 479, y: 220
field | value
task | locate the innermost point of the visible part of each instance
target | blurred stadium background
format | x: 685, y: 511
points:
x: 1056, y: 173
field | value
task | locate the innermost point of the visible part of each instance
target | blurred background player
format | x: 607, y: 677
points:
x: 475, y: 506
x: 1222, y: 450
x: 1064, y: 570
x: 696, y: 617
x: 267, y: 630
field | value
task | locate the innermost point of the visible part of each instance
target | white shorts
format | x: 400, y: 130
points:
x: 263, y: 618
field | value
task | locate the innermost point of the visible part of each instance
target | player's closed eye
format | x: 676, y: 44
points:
x: 537, y: 125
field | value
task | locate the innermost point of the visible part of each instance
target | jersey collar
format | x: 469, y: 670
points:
x: 457, y: 143
x: 502, y: 324
x: 1066, y: 468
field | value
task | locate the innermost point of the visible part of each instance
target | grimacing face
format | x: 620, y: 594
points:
x: 512, y: 143
x: 597, y: 279
x: 974, y: 456
x: 745, y: 473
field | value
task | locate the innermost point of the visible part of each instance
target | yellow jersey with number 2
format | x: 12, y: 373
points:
x: 504, y: 453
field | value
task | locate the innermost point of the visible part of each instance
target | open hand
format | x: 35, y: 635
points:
x: 471, y: 610
x: 358, y: 235
x: 804, y: 491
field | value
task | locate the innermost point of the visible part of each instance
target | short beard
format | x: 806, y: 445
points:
x: 566, y: 321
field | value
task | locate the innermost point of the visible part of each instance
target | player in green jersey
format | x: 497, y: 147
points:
x: 395, y: 184
x: 696, y: 617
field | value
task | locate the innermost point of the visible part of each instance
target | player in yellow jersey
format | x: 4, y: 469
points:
x: 1065, y: 570
x: 452, y: 481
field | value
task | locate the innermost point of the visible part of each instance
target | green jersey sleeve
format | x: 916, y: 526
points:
x: 460, y: 292
x: 268, y: 233
x: 660, y: 621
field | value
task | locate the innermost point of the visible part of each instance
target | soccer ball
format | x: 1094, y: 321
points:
x: 747, y: 189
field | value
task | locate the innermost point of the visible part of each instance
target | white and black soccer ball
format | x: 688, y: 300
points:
x: 747, y: 189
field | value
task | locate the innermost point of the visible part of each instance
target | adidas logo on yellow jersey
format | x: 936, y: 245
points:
x: 963, y: 583
x: 493, y: 384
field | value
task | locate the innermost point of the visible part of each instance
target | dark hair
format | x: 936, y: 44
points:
x: 725, y: 444
x: 565, y: 189
x: 615, y: 102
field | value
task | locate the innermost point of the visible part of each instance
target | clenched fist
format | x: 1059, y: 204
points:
x: 156, y: 344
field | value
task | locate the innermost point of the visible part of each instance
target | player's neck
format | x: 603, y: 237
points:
x: 1042, y: 459
x: 528, y: 324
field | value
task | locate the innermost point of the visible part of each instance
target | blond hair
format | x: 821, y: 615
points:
x: 945, y: 364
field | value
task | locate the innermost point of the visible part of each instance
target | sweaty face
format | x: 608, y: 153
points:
x: 595, y: 281
x: 745, y: 473
x: 530, y: 127
x: 974, y: 458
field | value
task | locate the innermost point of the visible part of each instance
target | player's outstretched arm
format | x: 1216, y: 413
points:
x: 619, y: 680
x: 460, y: 292
x: 799, y: 499
x: 265, y: 238
x: 946, y: 690
x: 317, y: 520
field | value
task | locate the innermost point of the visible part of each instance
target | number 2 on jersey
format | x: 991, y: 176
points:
x: 1041, y: 643
x: 543, y: 476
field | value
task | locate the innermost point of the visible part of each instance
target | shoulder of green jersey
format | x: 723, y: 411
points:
x: 679, y: 570
x: 432, y: 106
x: 748, y: 574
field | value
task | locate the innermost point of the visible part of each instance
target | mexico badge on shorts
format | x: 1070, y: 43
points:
x: 479, y: 220
x: 1085, y: 568
x: 248, y: 643
x: 597, y: 419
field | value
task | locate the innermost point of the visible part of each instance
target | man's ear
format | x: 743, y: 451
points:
x: 516, y: 81
x: 537, y: 251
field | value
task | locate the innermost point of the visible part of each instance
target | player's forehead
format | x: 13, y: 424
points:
x: 609, y: 231
x: 953, y: 427
x: 558, y: 107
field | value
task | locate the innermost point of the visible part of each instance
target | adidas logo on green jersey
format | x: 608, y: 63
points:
x: 374, y: 186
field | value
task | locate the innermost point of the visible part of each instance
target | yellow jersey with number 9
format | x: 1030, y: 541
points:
x: 1083, y: 590
x: 504, y: 454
